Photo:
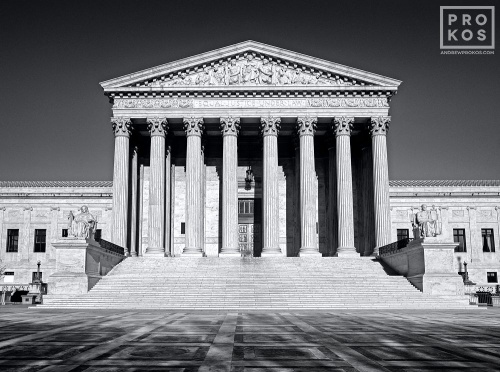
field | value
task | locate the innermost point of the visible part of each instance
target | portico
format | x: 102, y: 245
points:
x: 310, y: 133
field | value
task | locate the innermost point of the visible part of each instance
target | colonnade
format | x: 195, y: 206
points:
x: 159, y: 188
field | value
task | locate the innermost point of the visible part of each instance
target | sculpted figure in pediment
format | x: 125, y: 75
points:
x: 250, y: 73
x: 233, y: 73
x: 266, y: 71
x: 203, y: 77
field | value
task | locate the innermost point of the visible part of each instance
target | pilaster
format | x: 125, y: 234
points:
x: 133, y: 203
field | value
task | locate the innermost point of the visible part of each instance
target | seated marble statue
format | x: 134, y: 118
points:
x: 83, y: 225
x: 427, y: 222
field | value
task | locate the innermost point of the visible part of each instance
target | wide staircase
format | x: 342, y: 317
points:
x: 253, y: 284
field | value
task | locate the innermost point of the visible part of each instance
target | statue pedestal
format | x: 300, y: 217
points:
x: 430, y: 266
x: 71, y: 276
x: 80, y: 264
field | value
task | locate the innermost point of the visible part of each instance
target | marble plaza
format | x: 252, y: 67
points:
x: 249, y: 151
x: 411, y: 341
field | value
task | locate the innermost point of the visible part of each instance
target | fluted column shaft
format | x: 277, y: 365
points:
x: 121, y: 128
x: 229, y: 128
x: 306, y: 128
x: 157, y: 128
x: 270, y: 207
x: 345, y: 213
x: 379, y: 128
x: 168, y: 198
x: 133, y: 203
x: 332, y: 197
x: 194, y: 128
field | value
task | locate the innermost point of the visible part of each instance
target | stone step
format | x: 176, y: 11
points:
x: 256, y: 284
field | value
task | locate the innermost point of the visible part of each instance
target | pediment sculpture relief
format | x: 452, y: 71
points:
x: 249, y: 70
x: 83, y: 225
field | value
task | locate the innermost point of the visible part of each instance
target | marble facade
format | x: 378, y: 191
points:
x: 303, y: 138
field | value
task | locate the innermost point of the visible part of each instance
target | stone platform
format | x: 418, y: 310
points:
x: 112, y: 341
x: 253, y: 284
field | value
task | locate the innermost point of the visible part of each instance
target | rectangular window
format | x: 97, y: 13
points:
x: 403, y: 234
x: 97, y: 235
x: 34, y: 276
x: 183, y: 227
x: 459, y: 237
x: 40, y: 240
x: 8, y: 277
x: 12, y: 240
x: 488, y: 240
x: 492, y: 277
x: 64, y: 233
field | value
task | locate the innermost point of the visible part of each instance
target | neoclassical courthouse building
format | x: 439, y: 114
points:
x: 248, y: 150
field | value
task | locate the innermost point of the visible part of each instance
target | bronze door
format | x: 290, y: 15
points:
x: 249, y: 227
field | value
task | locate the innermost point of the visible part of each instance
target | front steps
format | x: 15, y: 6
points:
x: 286, y: 283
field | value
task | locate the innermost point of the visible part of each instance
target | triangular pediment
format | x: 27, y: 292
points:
x: 249, y: 64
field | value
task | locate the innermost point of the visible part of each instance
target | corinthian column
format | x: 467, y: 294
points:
x: 230, y: 127
x: 194, y: 129
x: 342, y: 128
x: 157, y: 128
x: 121, y: 128
x: 306, y: 127
x: 270, y: 219
x: 379, y: 128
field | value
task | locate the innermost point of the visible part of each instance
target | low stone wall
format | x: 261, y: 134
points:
x: 80, y: 264
x: 428, y: 265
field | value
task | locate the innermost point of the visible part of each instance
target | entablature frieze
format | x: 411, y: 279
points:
x: 246, y: 103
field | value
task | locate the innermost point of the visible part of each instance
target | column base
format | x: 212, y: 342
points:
x: 155, y: 252
x: 133, y: 254
x: 309, y: 252
x: 349, y: 252
x: 271, y: 252
x: 229, y: 254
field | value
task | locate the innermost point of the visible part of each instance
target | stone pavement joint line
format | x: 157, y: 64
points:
x: 149, y: 340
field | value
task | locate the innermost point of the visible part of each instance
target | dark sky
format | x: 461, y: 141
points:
x: 53, y: 54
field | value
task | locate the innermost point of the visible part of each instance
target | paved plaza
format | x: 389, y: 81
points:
x: 64, y: 340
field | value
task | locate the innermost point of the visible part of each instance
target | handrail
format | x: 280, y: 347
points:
x: 110, y: 246
x: 394, y: 247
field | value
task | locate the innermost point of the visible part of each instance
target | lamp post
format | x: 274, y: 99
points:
x: 37, y: 279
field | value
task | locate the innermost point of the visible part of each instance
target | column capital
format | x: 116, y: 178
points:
x: 379, y: 125
x: 270, y: 126
x: 121, y: 126
x: 306, y: 126
x: 157, y: 126
x: 230, y: 126
x: 342, y: 125
x: 193, y: 126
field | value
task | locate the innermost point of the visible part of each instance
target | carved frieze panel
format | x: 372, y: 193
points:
x: 174, y: 103
x: 485, y: 215
x: 403, y: 215
x: 253, y: 69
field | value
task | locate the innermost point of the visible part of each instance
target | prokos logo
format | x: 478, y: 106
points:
x: 467, y: 27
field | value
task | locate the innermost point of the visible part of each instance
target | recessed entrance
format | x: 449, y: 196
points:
x: 249, y: 227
